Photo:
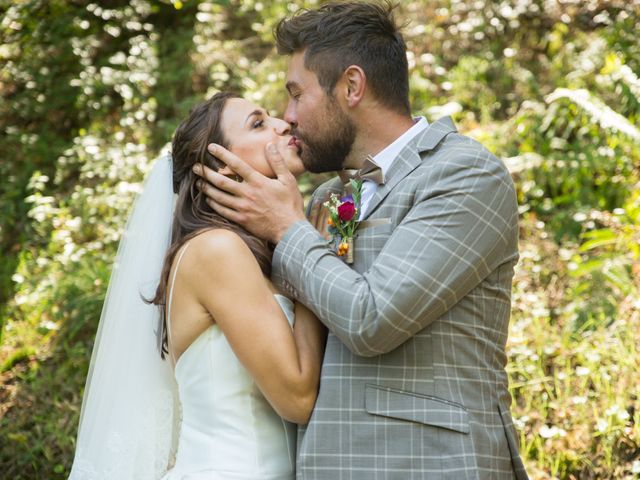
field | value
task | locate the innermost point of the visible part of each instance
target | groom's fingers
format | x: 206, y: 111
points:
x: 219, y: 196
x: 276, y: 160
x: 232, y: 161
x: 226, y: 212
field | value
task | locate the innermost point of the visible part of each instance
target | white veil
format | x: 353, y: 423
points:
x: 129, y: 409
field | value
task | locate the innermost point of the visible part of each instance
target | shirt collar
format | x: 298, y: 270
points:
x: 387, y: 155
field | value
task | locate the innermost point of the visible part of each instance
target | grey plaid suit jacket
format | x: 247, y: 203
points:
x: 413, y: 384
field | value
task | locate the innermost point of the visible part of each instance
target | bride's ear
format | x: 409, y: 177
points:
x: 217, y: 164
x: 222, y: 168
x: 225, y: 170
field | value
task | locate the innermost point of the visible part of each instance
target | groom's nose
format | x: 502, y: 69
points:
x: 290, y: 115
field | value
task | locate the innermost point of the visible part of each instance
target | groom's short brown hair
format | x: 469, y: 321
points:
x: 339, y: 34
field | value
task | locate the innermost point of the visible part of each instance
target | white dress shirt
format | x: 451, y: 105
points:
x: 384, y: 159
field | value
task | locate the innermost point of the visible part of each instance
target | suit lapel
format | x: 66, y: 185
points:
x: 410, y: 157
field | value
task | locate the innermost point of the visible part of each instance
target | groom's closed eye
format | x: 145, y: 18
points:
x: 293, y: 89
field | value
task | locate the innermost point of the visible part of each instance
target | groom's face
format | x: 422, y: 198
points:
x: 324, y: 131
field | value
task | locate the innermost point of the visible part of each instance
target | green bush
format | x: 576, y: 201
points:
x: 92, y: 93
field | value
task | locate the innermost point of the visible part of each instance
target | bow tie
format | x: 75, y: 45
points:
x: 368, y: 171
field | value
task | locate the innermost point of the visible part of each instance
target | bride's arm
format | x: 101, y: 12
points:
x: 225, y: 277
x: 310, y: 336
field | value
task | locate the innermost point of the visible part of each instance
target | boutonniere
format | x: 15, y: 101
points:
x: 343, y: 220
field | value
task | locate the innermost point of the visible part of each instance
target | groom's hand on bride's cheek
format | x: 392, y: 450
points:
x: 264, y: 206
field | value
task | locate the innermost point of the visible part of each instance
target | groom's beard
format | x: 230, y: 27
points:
x: 328, y: 149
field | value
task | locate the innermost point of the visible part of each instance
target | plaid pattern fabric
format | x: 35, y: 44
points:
x: 413, y: 384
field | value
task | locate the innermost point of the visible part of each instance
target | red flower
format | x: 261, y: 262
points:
x: 346, y: 211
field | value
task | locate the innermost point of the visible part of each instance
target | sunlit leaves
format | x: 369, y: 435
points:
x: 92, y: 90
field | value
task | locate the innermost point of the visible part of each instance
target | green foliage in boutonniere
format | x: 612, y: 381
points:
x: 343, y: 219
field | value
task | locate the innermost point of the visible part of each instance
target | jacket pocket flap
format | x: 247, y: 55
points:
x: 415, y: 407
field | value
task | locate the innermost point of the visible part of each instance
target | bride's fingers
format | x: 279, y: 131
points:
x: 326, y: 217
x: 215, y: 179
x: 232, y: 161
x: 318, y: 217
x: 313, y: 214
x: 323, y: 225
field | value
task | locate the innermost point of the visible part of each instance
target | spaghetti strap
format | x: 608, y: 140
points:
x: 170, y: 302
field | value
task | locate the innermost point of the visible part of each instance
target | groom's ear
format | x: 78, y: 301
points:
x: 354, y: 85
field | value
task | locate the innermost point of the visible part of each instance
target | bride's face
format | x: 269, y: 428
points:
x: 248, y: 128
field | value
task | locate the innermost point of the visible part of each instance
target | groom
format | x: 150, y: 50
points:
x: 413, y: 383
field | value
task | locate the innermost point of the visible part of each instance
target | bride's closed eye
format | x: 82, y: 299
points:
x: 257, y: 123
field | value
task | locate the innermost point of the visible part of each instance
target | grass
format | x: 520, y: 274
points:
x: 575, y: 385
x: 44, y: 357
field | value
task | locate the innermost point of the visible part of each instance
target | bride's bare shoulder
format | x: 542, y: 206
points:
x: 218, y: 252
x: 219, y: 241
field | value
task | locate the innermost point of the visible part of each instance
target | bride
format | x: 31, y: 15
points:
x: 197, y: 370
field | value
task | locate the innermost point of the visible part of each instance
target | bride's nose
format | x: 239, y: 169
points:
x: 281, y: 127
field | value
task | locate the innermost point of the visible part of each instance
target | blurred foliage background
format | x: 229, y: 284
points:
x: 92, y: 91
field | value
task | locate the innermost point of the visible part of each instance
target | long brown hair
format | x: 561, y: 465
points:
x: 192, y: 214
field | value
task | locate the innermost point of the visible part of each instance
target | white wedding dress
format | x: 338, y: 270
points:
x: 228, y: 430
